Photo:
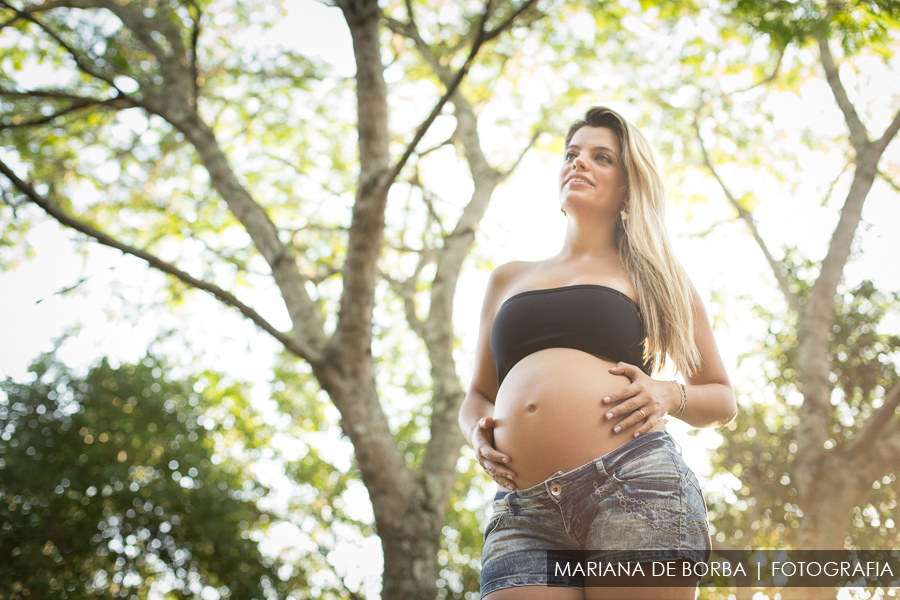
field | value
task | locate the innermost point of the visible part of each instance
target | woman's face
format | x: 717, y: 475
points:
x: 592, y: 174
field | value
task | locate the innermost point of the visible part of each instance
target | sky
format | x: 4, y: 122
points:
x: 522, y: 223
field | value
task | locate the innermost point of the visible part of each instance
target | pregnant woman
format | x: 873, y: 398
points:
x: 563, y: 412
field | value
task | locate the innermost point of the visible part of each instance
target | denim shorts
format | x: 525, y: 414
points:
x: 641, y: 496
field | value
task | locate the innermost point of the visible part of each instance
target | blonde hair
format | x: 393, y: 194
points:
x: 662, y: 286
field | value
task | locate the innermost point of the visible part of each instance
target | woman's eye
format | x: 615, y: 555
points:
x: 569, y: 155
x: 603, y: 157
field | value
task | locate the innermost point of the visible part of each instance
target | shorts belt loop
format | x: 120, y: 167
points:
x: 677, y: 447
x: 509, y: 505
x: 601, y: 468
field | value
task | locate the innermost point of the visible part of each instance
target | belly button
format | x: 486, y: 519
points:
x: 532, y: 408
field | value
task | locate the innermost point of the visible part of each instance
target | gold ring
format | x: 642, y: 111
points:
x: 643, y: 414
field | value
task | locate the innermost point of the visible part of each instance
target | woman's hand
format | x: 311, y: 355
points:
x: 482, y: 440
x: 645, y: 401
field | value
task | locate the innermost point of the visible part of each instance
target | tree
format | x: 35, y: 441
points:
x: 840, y: 361
x: 111, y: 484
x: 816, y: 458
x: 144, y: 117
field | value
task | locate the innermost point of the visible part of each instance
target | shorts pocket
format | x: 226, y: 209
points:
x: 657, y: 466
x: 663, y: 512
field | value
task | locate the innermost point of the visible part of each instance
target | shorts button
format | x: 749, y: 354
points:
x: 555, y: 489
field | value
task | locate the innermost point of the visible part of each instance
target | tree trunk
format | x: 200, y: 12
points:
x: 411, y: 546
x: 408, y: 504
x: 828, y: 508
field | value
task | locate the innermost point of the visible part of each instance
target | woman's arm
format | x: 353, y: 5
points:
x: 476, y: 413
x: 709, y: 399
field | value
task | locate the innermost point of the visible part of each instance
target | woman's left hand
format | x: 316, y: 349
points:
x: 643, y: 402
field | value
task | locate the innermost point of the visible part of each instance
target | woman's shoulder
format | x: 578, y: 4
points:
x: 507, y: 274
x: 503, y: 278
x: 512, y: 269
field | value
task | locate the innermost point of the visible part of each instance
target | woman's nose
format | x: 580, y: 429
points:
x: 579, y: 163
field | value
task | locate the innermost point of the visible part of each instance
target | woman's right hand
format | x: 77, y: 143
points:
x: 492, y: 461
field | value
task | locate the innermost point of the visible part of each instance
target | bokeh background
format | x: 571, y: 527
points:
x: 244, y: 246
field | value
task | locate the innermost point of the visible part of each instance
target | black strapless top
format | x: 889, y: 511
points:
x: 592, y: 318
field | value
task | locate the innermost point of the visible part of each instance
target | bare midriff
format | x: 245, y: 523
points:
x: 549, y: 413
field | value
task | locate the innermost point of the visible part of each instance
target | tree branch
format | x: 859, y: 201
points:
x: 434, y: 218
x: 534, y: 138
x: 890, y: 181
x: 410, y: 14
x: 875, y: 424
x: 406, y: 290
x: 881, y: 144
x: 464, y: 113
x: 702, y: 234
x: 783, y: 284
x: 509, y: 21
x: 834, y: 183
x: 142, y: 26
x: 105, y: 239
x: 767, y: 79
x: 79, y: 60
x: 858, y: 134
x: 75, y: 106
x: 883, y: 458
x: 172, y: 101
x: 447, y: 142
x: 173, y: 61
x: 195, y: 38
x: 451, y: 88
x: 58, y: 94
x: 22, y: 14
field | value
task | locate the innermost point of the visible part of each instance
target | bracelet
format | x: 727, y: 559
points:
x: 680, y: 410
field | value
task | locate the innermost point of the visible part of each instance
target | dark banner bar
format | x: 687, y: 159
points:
x: 726, y: 568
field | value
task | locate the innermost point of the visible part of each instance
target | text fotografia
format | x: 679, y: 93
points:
x: 726, y: 568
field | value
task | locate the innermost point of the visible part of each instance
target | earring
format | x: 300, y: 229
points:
x: 563, y: 211
x: 624, y: 215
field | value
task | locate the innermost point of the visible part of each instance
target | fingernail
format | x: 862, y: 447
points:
x: 606, y: 400
x: 504, y: 459
x: 609, y: 415
x: 616, y: 429
x: 510, y: 476
x: 637, y: 433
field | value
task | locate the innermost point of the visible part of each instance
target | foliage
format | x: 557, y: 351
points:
x: 125, y: 480
x: 857, y: 25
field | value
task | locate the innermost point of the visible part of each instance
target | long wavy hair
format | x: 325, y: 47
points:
x: 662, y: 286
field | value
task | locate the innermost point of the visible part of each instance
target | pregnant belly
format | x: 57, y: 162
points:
x: 549, y: 413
